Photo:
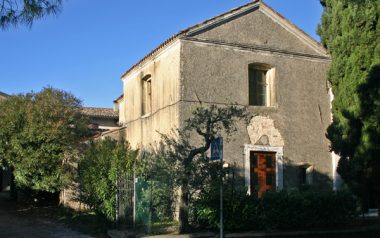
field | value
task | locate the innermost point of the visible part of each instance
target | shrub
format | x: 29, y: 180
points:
x: 240, y: 211
x: 306, y: 209
x: 275, y: 210
x: 103, y: 164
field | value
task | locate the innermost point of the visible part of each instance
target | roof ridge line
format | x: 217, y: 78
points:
x: 318, y: 44
x: 182, y: 32
x: 315, y: 44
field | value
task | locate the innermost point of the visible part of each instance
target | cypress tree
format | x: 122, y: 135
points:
x: 350, y: 30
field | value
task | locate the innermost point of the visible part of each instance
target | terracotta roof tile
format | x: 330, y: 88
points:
x: 120, y: 97
x: 100, y: 112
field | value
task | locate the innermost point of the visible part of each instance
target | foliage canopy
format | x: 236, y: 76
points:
x: 186, y: 151
x: 102, y: 166
x: 38, y: 133
x: 350, y: 30
x: 15, y: 12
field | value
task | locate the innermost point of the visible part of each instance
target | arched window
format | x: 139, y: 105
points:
x: 261, y: 85
x: 146, y: 95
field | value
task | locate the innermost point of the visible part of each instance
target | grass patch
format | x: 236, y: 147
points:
x: 164, y: 224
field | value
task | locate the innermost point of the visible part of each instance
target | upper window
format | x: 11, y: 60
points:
x: 146, y: 95
x: 260, y: 85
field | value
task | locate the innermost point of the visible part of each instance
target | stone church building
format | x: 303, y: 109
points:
x: 253, y: 56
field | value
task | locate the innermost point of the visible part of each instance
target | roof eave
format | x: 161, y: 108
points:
x: 152, y: 54
x: 301, y: 34
x: 227, y: 15
x: 119, y: 98
x: 185, y: 32
x: 103, y: 116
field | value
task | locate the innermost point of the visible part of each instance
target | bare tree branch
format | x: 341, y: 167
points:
x: 208, y: 122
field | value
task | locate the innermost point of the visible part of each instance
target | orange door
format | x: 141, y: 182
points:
x: 263, y: 172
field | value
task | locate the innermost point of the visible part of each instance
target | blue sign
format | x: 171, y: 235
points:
x: 217, y: 149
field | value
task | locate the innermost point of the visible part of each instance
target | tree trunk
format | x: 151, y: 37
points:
x: 184, y: 208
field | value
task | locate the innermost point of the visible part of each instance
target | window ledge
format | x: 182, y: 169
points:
x: 269, y: 107
x: 263, y: 109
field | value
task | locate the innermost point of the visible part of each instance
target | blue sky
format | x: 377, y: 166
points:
x: 91, y: 43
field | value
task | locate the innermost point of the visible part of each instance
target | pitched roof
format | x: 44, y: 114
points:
x: 222, y: 16
x: 100, y: 112
x: 4, y: 94
x: 118, y: 99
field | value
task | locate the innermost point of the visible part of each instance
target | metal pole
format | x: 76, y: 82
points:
x: 221, y: 201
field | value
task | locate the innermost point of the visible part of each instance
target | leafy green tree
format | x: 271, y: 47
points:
x: 14, y: 12
x: 350, y: 30
x: 185, y: 150
x: 103, y: 165
x: 39, y: 133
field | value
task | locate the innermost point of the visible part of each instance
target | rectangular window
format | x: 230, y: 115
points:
x: 261, y: 90
x: 257, y: 87
x: 146, y: 96
x: 305, y: 173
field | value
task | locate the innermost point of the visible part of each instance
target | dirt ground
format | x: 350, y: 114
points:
x: 16, y: 221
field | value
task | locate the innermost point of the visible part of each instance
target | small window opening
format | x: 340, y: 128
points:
x: 146, y: 95
x: 260, y: 85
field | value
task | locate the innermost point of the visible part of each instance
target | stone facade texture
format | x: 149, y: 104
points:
x: 210, y: 64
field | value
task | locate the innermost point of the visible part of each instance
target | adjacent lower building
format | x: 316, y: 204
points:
x: 101, y: 119
x: 102, y: 122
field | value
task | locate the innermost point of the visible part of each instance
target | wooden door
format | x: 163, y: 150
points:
x: 263, y: 172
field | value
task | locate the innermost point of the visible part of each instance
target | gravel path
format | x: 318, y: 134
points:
x: 15, y: 223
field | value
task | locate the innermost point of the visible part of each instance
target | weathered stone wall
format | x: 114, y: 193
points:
x: 143, y: 130
x: 262, y: 131
x: 121, y: 109
x: 69, y: 197
x: 211, y: 65
x: 219, y: 74
x: 105, y: 123
x: 116, y: 134
x: 259, y: 27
